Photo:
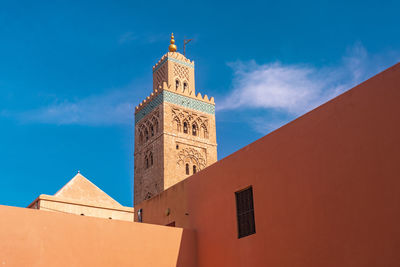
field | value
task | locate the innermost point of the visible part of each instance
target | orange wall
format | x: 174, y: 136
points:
x: 326, y: 189
x: 31, y: 237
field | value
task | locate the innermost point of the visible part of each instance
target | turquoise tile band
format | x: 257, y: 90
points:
x: 176, y: 99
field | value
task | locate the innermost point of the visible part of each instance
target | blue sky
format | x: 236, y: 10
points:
x: 71, y: 73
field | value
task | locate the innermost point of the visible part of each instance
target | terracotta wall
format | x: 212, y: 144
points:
x: 326, y: 189
x: 39, y: 238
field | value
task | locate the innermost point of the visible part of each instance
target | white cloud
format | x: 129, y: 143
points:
x: 280, y: 91
x: 297, y: 88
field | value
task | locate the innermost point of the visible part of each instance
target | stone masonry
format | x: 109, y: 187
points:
x: 175, y: 134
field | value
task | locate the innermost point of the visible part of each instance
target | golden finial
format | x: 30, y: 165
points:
x: 172, y: 46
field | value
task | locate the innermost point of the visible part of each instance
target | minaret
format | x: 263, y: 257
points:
x: 175, y: 133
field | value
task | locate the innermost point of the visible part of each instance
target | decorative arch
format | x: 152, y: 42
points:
x: 177, y: 124
x: 141, y: 137
x: 155, y: 123
x: 204, y: 131
x: 192, y: 157
x: 142, y: 131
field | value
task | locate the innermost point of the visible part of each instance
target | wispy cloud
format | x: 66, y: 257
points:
x: 127, y: 37
x: 293, y: 89
x: 272, y: 93
x: 111, y: 108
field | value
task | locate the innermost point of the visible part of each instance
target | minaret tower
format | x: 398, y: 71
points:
x: 175, y: 133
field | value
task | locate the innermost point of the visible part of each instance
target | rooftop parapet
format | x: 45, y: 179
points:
x: 165, y: 87
x: 174, y: 56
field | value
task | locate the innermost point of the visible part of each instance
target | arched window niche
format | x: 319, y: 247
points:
x: 146, y: 162
x: 185, y: 127
x: 194, y: 129
x: 187, y: 168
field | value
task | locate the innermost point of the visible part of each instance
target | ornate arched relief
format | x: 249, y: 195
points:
x: 204, y: 131
x: 189, y: 117
x: 155, y: 123
x: 176, y: 122
x: 192, y: 157
x: 141, y: 137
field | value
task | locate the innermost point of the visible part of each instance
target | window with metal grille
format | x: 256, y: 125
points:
x: 245, y: 212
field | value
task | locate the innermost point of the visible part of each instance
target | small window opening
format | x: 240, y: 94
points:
x: 187, y: 169
x: 110, y: 218
x: 185, y: 86
x: 194, y: 130
x: 151, y: 159
x: 194, y: 169
x: 176, y: 84
x: 185, y: 127
x: 146, y: 134
x: 152, y: 130
x: 177, y: 146
x: 82, y: 214
x: 146, y: 162
x: 245, y: 212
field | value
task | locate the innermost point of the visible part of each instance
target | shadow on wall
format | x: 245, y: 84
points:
x: 41, y: 238
x: 188, y: 250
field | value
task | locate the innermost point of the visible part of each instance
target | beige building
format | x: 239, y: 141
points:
x: 175, y: 133
x: 81, y: 197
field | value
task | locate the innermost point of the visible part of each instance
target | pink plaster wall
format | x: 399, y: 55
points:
x: 31, y: 237
x: 326, y: 189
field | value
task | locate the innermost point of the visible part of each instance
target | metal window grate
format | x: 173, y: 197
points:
x: 245, y: 212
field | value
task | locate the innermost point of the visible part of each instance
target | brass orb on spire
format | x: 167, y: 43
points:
x: 172, y: 47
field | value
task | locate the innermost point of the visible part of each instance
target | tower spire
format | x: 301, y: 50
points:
x: 172, y: 46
